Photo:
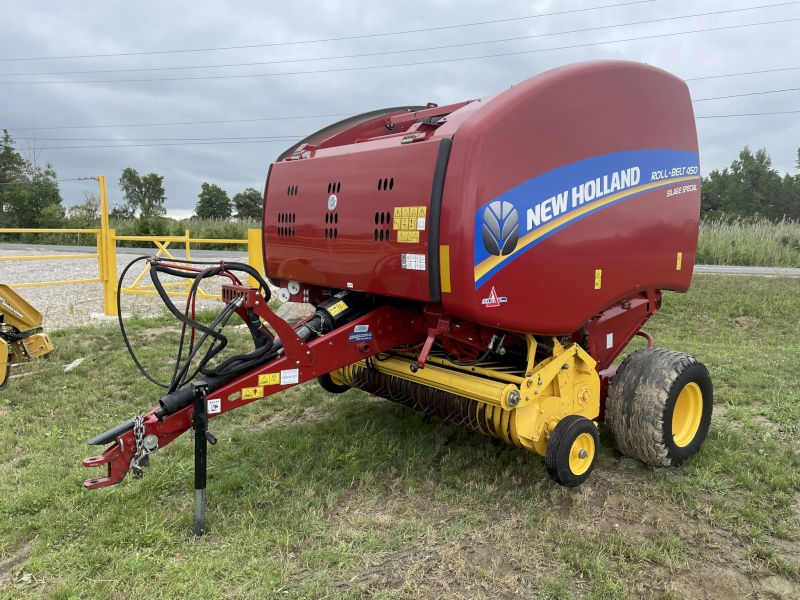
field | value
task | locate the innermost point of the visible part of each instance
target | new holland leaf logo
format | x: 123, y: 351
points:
x: 500, y: 228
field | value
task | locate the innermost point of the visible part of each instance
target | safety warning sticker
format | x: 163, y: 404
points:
x: 335, y: 309
x: 269, y: 379
x: 214, y: 406
x: 415, y: 262
x: 252, y: 393
x: 290, y: 376
x: 409, y: 218
x: 408, y: 237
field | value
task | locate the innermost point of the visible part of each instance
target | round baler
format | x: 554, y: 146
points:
x: 484, y: 262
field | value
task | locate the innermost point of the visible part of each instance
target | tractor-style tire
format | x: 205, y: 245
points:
x: 572, y: 450
x: 659, y: 406
x: 327, y: 384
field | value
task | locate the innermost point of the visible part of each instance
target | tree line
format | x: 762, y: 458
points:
x: 30, y: 197
x: 751, y: 188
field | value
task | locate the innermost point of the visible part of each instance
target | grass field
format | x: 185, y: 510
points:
x: 317, y: 496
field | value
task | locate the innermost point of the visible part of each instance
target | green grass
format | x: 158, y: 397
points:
x: 749, y: 243
x: 320, y: 496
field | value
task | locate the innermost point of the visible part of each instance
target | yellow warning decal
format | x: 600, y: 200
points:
x: 409, y: 218
x: 253, y: 392
x: 269, y: 379
x: 408, y: 237
x: 680, y: 260
x: 334, y: 310
x: 598, y: 279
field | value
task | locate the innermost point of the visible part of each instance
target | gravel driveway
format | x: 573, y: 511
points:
x: 68, y: 305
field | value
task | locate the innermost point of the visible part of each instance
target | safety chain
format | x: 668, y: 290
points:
x: 141, y: 451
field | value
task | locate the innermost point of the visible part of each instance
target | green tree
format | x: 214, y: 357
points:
x: 36, y: 202
x: 11, y: 168
x: 85, y: 215
x: 248, y: 204
x: 213, y: 204
x: 144, y: 196
x: 750, y: 188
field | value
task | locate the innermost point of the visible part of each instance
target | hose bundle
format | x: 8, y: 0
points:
x: 265, y: 347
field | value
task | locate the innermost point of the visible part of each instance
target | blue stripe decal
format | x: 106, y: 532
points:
x: 517, y: 220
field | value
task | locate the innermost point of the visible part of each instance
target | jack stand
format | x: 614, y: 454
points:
x: 202, y: 437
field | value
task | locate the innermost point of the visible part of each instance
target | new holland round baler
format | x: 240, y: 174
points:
x: 483, y: 262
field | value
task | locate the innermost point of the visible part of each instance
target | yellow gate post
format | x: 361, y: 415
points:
x: 110, y: 283
x: 107, y: 249
x: 255, y: 254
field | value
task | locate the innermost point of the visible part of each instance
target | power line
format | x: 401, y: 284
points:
x: 171, y: 144
x: 296, y: 117
x: 403, y: 51
x: 184, y: 122
x: 748, y: 94
x: 285, y: 137
x: 421, y: 63
x: 745, y: 73
x: 44, y: 180
x: 256, y: 140
x: 336, y: 39
x: 782, y: 112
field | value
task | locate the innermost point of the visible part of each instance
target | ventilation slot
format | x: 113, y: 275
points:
x: 381, y: 234
x: 331, y: 220
x: 286, y: 218
x: 386, y: 184
x: 335, y: 187
x: 291, y: 190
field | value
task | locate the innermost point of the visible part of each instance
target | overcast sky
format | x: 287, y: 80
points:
x: 46, y: 28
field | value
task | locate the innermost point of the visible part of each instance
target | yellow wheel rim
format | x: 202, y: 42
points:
x: 581, y: 454
x: 687, y: 414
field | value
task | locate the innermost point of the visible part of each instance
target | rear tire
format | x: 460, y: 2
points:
x: 659, y: 406
x: 327, y: 384
x: 572, y: 450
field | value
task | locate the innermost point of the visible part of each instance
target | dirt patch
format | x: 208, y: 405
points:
x: 4, y: 410
x: 9, y: 567
x: 505, y: 558
x: 280, y: 419
x: 746, y: 323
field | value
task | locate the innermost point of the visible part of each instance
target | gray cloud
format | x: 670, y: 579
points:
x: 49, y: 28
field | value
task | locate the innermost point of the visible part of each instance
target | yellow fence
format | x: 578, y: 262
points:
x: 107, y: 256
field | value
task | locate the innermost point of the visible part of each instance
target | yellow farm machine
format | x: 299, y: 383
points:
x: 21, y: 335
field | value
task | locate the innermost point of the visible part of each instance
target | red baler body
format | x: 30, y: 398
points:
x: 621, y: 133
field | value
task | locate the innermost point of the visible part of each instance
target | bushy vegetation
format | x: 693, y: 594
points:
x: 749, y: 242
x: 158, y: 226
